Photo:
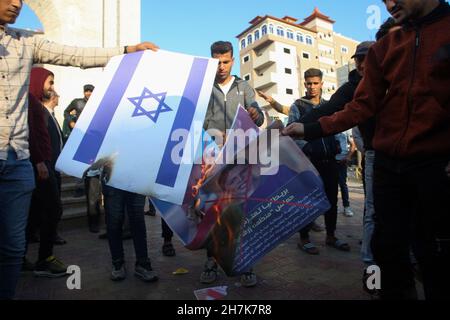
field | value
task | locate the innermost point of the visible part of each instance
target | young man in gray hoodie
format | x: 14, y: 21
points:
x: 228, y: 93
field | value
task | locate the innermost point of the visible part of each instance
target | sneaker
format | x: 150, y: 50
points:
x: 248, y: 279
x: 348, y: 212
x: 118, y: 272
x: 209, y: 274
x: 308, y: 247
x: 50, y: 268
x: 145, y: 272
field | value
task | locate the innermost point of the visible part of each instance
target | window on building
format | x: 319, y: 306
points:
x: 289, y: 91
x: 249, y: 39
x: 246, y: 59
x: 280, y: 31
x: 264, y: 30
x: 288, y: 71
x: 247, y: 77
x: 309, y: 40
x: 256, y: 35
x: 344, y: 49
x: 305, y: 55
x: 300, y: 37
x: 286, y: 50
x: 271, y: 28
x: 290, y: 34
x: 242, y: 44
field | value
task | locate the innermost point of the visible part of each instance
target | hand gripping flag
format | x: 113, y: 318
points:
x: 132, y: 123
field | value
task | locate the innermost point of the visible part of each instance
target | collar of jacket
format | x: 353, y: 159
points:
x: 235, y: 82
x: 441, y: 10
x: 308, y: 101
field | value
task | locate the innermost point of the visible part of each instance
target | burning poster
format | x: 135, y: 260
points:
x: 240, y: 211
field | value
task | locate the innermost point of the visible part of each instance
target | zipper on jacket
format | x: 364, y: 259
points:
x: 225, y: 113
x: 325, y: 146
x: 408, y: 95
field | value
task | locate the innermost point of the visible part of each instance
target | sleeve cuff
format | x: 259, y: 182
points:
x: 313, y: 130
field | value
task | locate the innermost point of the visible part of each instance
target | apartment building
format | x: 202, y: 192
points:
x: 274, y: 53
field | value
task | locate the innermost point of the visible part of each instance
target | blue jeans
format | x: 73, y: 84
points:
x: 16, y: 186
x: 368, y: 222
x: 343, y: 184
x: 117, y: 202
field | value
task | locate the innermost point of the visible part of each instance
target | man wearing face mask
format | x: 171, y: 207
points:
x: 405, y: 86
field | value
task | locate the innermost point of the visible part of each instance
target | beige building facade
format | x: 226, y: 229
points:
x: 275, y: 52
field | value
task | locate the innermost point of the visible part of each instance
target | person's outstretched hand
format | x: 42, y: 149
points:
x: 294, y: 130
x: 142, y: 46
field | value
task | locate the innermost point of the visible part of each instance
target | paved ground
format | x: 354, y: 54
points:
x: 286, y: 273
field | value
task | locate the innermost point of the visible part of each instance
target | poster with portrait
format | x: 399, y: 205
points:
x: 241, y: 212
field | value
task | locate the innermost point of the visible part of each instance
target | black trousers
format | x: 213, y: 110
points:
x: 328, y: 170
x: 412, y: 209
x: 46, y: 210
x: 167, y: 233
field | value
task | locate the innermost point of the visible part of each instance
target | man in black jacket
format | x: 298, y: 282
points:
x: 406, y: 88
x: 77, y: 105
x: 322, y: 154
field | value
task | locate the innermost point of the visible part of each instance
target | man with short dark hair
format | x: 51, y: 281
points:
x: 229, y: 92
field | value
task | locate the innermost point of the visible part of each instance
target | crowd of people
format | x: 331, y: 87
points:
x: 397, y: 98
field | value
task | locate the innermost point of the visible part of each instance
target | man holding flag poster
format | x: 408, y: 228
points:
x: 18, y: 52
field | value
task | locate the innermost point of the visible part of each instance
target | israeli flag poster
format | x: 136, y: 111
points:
x: 136, y: 118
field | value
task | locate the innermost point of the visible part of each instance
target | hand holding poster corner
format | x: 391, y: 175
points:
x: 142, y: 99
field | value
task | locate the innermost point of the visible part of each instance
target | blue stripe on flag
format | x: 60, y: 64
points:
x: 168, y: 170
x: 93, y: 139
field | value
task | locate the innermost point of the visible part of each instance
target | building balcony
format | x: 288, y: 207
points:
x: 265, y: 80
x: 264, y: 60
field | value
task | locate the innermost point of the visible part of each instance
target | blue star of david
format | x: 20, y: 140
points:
x: 153, y: 115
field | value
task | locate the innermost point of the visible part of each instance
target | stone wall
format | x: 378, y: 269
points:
x: 86, y: 23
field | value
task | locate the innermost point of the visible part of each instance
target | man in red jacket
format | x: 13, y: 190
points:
x: 406, y: 86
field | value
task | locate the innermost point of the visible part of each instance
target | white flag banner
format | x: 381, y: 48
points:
x: 134, y: 122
